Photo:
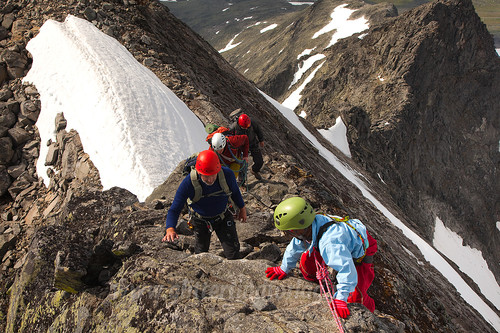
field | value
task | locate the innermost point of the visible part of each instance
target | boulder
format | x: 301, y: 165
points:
x: 7, y: 117
x: 5, y: 94
x: 16, y: 170
x: 6, y: 150
x: 19, y: 28
x: 4, y: 33
x: 5, y: 180
x: 19, y: 136
x: 30, y: 109
x: 9, y: 236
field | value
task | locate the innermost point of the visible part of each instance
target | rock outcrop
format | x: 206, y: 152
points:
x: 81, y: 259
x: 419, y: 95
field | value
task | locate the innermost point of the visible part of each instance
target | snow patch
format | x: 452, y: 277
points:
x: 134, y: 128
x: 269, y: 27
x: 230, y: 45
x: 469, y: 260
x: 294, y: 98
x: 337, y: 135
x: 306, y: 65
x: 343, y: 26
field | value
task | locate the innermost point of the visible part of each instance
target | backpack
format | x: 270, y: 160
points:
x: 189, y: 164
x: 189, y: 169
x: 219, y: 129
x: 198, y: 192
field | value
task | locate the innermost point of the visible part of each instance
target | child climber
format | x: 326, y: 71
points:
x: 344, y: 245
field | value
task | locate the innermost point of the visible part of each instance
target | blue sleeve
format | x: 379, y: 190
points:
x: 184, y: 192
x: 292, y: 254
x: 233, y: 187
x: 337, y: 255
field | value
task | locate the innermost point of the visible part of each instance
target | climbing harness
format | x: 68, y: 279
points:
x: 198, y: 194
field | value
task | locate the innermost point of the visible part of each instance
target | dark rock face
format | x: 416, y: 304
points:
x: 271, y: 59
x: 76, y: 258
x: 419, y: 95
x: 420, y: 98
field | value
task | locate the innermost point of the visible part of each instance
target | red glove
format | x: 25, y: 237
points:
x: 341, y: 308
x: 275, y: 272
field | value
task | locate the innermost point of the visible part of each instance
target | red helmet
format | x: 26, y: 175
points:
x: 244, y: 121
x: 208, y: 163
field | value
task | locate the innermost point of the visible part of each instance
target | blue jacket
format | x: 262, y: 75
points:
x: 338, y: 246
x: 206, y: 206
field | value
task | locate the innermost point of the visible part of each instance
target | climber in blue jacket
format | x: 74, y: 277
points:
x: 342, y: 244
x: 215, y: 186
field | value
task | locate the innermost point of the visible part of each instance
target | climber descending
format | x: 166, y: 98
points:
x: 207, y: 189
x: 321, y: 240
x: 233, y: 153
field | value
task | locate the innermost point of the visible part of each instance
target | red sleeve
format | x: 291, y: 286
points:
x: 241, y: 142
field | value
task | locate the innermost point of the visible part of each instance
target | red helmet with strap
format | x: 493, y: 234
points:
x: 207, y: 163
x: 244, y: 121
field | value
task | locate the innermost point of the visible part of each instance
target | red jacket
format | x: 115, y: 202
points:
x: 238, y: 144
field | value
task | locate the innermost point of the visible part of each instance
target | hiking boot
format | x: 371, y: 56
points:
x: 256, y: 175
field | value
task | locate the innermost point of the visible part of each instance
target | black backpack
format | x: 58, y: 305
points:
x: 189, y: 164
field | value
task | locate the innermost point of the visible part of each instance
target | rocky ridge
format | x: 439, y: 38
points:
x: 419, y: 96
x: 87, y: 260
x: 422, y: 114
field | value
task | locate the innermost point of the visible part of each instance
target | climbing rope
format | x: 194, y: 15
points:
x: 327, y: 290
x: 243, y: 166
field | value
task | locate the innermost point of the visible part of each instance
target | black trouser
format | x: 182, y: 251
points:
x: 225, y: 229
x: 258, y: 161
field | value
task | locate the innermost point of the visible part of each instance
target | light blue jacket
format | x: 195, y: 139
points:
x: 338, y: 246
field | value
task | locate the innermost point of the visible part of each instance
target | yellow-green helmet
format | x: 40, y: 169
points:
x: 293, y: 213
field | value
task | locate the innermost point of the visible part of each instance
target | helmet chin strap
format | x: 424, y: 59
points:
x: 304, y: 235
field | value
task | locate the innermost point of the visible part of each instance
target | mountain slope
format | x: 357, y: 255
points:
x: 420, y: 97
x: 217, y: 21
x: 92, y: 261
x: 418, y: 93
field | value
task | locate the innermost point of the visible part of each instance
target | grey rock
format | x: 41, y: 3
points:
x: 14, y: 59
x: 268, y: 251
x: 12, y: 106
x: 5, y: 94
x: 52, y: 154
x: 9, y: 237
x: 7, y: 21
x: 5, y: 180
x: 20, y: 28
x: 3, y: 72
x: 4, y: 33
x: 60, y: 122
x: 19, y: 136
x: 7, y: 118
x: 16, y: 170
x: 90, y: 14
x: 30, y: 109
x: 262, y: 304
x: 6, y: 150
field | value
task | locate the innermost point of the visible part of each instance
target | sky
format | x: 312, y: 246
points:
x: 136, y: 131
